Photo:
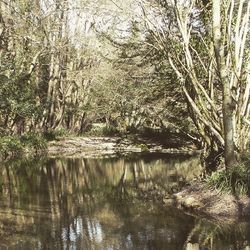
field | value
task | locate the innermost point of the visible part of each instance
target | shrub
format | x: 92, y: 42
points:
x: 10, y: 145
x: 13, y: 145
x: 49, y: 135
x: 143, y: 147
x: 102, y: 130
x: 110, y: 131
x: 52, y: 134
x: 33, y: 141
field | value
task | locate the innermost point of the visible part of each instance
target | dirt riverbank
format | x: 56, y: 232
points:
x: 101, y: 146
x: 199, y: 199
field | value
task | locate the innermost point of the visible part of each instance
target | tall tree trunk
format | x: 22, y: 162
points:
x: 227, y: 104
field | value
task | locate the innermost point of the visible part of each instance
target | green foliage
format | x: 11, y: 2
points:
x: 110, y: 131
x: 143, y: 147
x: 246, y: 158
x: 10, y: 145
x: 54, y: 134
x: 33, y: 141
x: 234, y: 181
x: 103, y: 130
x: 49, y: 135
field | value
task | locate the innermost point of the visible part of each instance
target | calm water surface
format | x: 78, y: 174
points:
x: 109, y: 203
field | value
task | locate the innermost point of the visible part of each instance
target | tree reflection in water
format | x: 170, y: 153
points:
x: 102, y: 204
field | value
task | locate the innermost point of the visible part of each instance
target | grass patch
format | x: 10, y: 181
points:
x: 233, y: 181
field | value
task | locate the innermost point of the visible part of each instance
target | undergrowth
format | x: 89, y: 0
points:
x: 12, y: 146
x: 234, y: 181
x: 102, y: 130
x: 52, y: 134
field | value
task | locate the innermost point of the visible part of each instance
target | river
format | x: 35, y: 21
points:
x: 105, y: 203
